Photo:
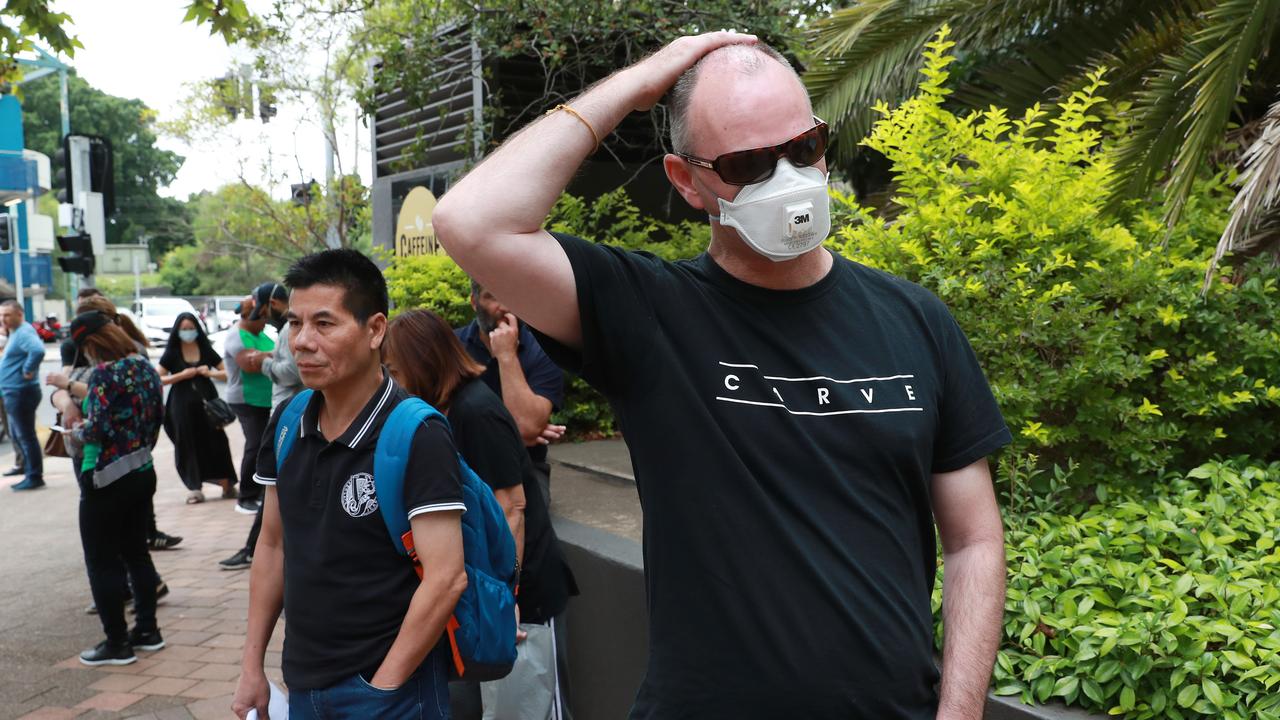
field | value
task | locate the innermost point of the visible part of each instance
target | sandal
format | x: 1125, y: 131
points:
x: 195, y: 496
x: 228, y: 490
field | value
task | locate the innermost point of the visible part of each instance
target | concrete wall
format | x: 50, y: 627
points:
x: 608, y: 622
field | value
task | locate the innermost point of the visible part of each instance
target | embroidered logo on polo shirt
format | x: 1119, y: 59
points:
x: 357, y: 495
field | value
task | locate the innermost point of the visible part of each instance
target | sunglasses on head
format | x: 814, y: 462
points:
x: 745, y: 167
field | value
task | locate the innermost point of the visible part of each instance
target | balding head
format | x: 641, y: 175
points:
x: 757, y: 61
x: 11, y: 314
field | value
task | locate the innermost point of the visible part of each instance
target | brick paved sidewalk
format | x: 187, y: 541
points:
x: 202, y: 620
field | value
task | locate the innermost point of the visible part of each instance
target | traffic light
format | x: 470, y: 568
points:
x: 302, y: 193
x: 226, y: 91
x: 102, y: 172
x: 99, y: 172
x: 6, y: 233
x: 266, y: 103
x: 62, y: 174
x: 77, y: 254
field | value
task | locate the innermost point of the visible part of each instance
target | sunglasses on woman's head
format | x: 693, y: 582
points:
x: 744, y: 167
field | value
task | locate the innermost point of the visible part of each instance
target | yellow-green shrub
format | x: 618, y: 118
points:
x: 1090, y: 327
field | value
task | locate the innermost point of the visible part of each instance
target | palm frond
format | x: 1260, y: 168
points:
x: 1184, y: 112
x: 1259, y: 194
x: 1158, y: 32
x: 869, y: 52
x: 1033, y: 70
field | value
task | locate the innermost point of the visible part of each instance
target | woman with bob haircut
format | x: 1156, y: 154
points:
x: 426, y: 358
x: 122, y: 415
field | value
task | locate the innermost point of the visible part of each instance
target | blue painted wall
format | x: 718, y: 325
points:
x: 18, y: 175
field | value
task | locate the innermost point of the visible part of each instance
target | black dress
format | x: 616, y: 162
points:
x: 201, y: 450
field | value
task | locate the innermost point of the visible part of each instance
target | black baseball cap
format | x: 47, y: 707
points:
x: 263, y: 295
x: 87, y: 324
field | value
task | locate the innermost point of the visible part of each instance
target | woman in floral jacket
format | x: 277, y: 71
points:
x: 122, y: 418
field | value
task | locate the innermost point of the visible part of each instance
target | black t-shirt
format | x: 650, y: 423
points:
x: 346, y: 588
x: 71, y: 358
x: 489, y: 441
x: 783, y: 444
x: 542, y: 375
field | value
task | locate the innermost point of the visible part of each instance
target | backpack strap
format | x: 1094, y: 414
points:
x: 390, y: 460
x: 288, y: 428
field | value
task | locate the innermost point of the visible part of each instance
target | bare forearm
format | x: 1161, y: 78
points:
x: 972, y: 611
x: 64, y: 403
x: 266, y: 599
x: 530, y: 410
x: 429, y: 610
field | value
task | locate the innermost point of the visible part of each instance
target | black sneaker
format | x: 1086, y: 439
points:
x: 247, y: 507
x: 239, y: 561
x: 107, y: 654
x: 161, y: 541
x: 148, y: 641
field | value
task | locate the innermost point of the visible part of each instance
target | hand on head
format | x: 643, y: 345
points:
x: 658, y: 72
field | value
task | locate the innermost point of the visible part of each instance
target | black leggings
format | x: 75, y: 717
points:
x: 113, y: 531
x: 253, y: 421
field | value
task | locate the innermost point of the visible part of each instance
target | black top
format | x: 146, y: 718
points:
x: 174, y: 361
x: 540, y: 372
x: 70, y: 356
x: 783, y: 444
x: 489, y: 441
x: 346, y: 588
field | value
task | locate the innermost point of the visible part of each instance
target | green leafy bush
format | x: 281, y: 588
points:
x: 612, y: 219
x: 1163, y: 603
x: 437, y: 283
x: 434, y: 282
x: 1090, y: 326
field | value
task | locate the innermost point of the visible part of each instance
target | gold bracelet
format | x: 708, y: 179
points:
x: 594, y: 135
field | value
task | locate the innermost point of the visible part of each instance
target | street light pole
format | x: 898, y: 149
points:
x: 17, y: 255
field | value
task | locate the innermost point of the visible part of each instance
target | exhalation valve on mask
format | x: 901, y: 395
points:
x: 783, y: 217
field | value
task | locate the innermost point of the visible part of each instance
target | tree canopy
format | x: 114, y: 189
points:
x: 570, y: 43
x: 141, y: 168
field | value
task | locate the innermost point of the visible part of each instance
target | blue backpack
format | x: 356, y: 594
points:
x: 482, y: 629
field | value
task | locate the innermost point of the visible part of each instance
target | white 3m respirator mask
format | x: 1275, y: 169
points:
x: 783, y: 217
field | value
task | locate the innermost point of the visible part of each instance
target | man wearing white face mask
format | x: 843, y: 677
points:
x: 799, y: 423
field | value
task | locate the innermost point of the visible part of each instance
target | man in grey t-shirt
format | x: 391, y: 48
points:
x: 270, y: 302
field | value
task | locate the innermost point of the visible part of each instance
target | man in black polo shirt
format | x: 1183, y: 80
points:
x: 519, y: 372
x: 362, y: 634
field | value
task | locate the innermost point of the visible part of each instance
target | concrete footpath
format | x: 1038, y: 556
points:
x: 44, y: 591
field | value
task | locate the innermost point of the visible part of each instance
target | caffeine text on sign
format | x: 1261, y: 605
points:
x: 414, y: 234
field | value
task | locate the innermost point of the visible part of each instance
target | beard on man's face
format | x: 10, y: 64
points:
x: 487, y: 322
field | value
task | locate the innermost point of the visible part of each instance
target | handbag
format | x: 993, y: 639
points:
x: 55, y: 445
x: 219, y: 412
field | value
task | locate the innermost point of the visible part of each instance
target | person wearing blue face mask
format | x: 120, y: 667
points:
x: 804, y: 429
x: 189, y: 366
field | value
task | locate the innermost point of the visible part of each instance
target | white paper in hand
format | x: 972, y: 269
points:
x: 277, y: 706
